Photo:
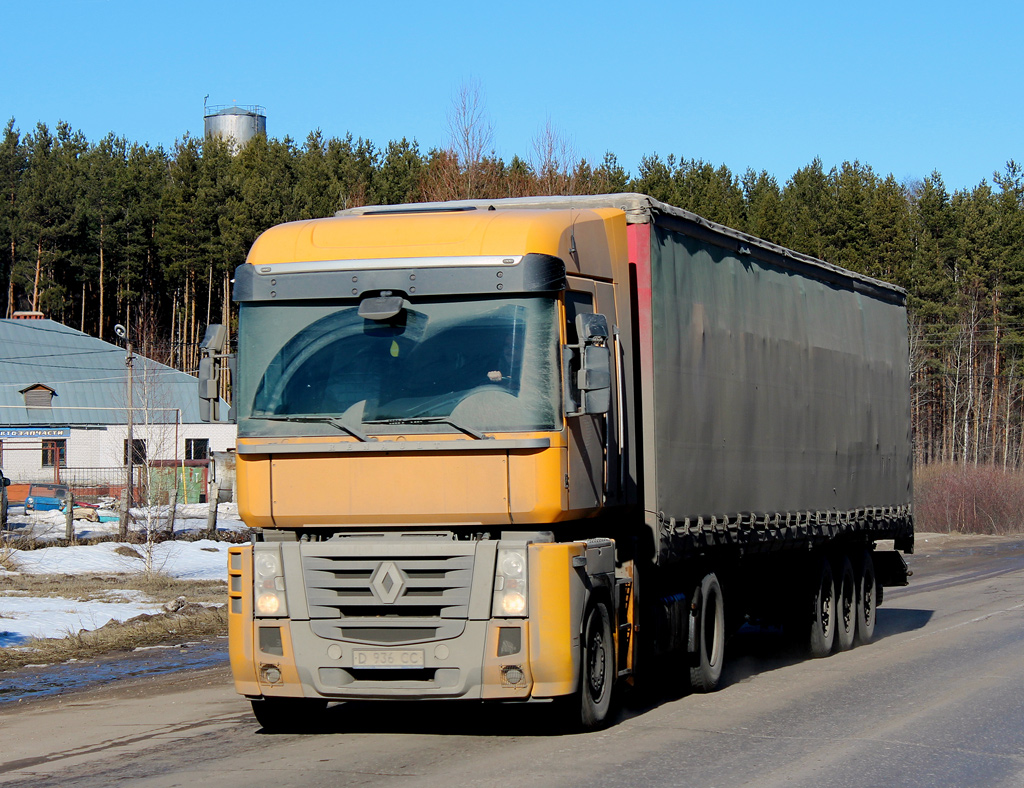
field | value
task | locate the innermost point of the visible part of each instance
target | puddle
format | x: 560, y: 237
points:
x: 53, y: 679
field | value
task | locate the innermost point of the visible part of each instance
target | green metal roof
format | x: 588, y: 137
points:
x: 88, y: 378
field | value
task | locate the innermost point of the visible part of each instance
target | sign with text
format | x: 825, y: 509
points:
x: 35, y: 432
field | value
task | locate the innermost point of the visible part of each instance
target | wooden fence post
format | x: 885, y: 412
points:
x: 122, y: 522
x: 211, y: 517
x: 69, y: 517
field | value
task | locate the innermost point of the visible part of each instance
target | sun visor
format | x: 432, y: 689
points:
x: 411, y: 277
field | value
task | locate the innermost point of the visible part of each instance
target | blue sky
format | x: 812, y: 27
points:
x: 907, y: 87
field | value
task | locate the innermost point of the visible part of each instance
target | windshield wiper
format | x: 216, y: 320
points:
x: 433, y: 420
x: 332, y: 420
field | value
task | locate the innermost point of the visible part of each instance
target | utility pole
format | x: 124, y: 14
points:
x: 127, y: 499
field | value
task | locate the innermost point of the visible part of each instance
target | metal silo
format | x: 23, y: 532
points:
x: 234, y: 122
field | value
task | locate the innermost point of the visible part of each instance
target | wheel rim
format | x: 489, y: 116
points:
x: 869, y: 597
x: 848, y: 603
x: 826, y: 605
x: 596, y: 657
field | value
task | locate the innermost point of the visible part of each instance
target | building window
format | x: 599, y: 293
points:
x: 38, y: 396
x: 55, y: 452
x: 197, y: 448
x: 138, y: 453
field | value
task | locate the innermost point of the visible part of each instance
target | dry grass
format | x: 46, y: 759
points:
x: 86, y: 588
x: 7, y: 558
x: 190, y: 623
x: 194, y: 620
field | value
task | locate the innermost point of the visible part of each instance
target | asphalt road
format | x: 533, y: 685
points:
x: 937, y: 700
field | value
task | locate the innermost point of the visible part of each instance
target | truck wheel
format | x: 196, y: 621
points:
x: 289, y: 715
x: 597, y: 667
x: 707, y: 635
x: 846, y: 603
x: 823, y: 619
x: 867, y: 599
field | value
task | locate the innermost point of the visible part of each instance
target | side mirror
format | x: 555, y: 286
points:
x: 212, y: 347
x: 214, y: 338
x: 591, y: 328
x: 209, y: 397
x: 595, y: 380
x: 7, y: 482
x: 594, y: 376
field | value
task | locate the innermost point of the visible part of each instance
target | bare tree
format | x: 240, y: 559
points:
x: 459, y: 172
x: 470, y: 131
x: 554, y: 161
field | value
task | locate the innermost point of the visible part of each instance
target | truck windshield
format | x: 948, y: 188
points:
x: 307, y: 368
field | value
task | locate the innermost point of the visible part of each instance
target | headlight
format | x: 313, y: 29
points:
x: 267, y: 565
x: 267, y: 604
x: 269, y: 583
x: 510, y: 584
x: 513, y: 564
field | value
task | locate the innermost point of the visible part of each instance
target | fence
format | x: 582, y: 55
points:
x: 92, y: 484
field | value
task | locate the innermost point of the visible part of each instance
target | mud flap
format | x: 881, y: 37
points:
x: 890, y: 568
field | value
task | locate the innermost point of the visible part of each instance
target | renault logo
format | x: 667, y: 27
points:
x: 388, y: 582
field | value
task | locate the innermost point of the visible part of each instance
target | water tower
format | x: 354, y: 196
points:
x: 239, y: 123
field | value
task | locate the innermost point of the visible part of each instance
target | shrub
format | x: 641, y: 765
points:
x: 969, y: 499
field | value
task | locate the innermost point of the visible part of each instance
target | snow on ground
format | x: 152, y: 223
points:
x: 23, y: 617
x: 202, y: 560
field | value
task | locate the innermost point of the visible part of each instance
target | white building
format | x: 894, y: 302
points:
x: 64, y: 409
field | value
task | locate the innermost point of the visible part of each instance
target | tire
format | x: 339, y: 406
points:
x: 846, y: 603
x: 867, y: 599
x: 290, y: 715
x: 822, y: 599
x: 707, y: 635
x: 593, y: 699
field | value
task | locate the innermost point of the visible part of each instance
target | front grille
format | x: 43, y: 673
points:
x: 395, y: 594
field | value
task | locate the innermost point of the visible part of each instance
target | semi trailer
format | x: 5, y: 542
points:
x: 543, y: 449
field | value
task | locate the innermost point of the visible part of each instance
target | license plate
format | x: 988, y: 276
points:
x: 387, y: 658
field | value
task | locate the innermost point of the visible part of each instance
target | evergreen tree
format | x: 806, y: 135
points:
x: 762, y: 207
x: 397, y: 179
x: 13, y: 164
x: 808, y: 206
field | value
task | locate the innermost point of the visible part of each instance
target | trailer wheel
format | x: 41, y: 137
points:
x: 707, y: 635
x: 867, y: 599
x: 823, y: 619
x: 597, y: 668
x: 289, y: 715
x: 846, y: 603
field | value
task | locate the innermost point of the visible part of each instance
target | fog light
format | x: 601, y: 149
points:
x: 512, y: 675
x: 271, y: 674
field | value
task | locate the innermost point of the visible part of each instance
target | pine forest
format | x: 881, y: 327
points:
x: 98, y: 233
